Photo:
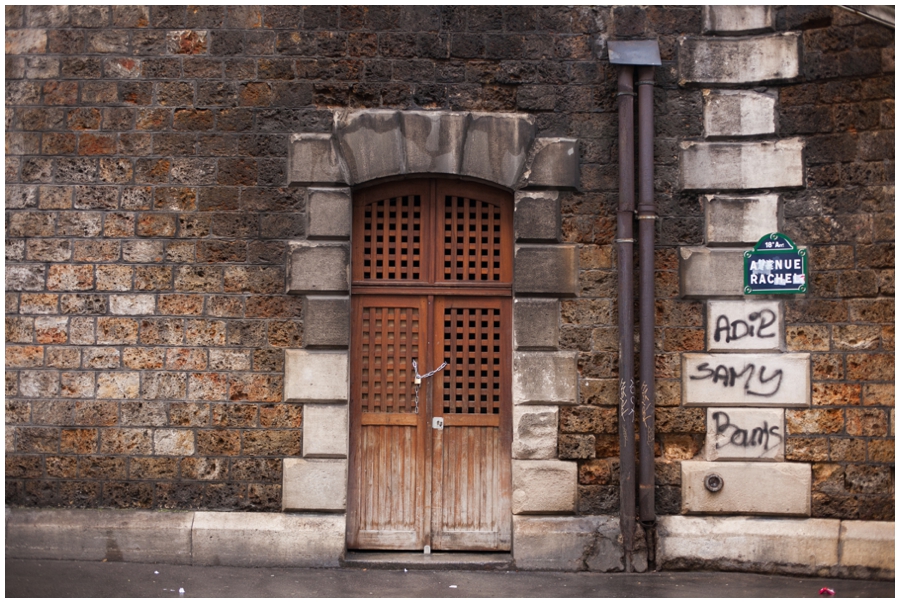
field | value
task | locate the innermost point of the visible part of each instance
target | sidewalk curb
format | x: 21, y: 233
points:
x: 811, y: 547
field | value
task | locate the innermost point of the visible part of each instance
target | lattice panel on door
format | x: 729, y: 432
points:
x: 392, y: 239
x: 471, y: 381
x: 389, y: 343
x: 472, y: 240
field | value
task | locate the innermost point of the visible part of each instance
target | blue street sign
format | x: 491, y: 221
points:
x: 775, y: 265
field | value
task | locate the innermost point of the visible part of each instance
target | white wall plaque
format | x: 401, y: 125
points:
x: 744, y: 326
x: 744, y: 434
x: 745, y: 379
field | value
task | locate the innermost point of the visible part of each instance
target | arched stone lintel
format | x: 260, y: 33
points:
x: 499, y: 148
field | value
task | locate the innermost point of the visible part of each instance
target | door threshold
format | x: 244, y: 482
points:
x: 464, y: 560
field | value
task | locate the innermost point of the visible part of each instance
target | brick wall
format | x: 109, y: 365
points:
x: 843, y: 107
x: 148, y: 221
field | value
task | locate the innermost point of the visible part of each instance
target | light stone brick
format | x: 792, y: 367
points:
x: 38, y: 384
x: 747, y: 488
x: 314, y: 485
x: 535, y: 432
x: 132, y: 305
x: 326, y: 322
x: 433, y: 141
x: 808, y: 546
x: 736, y: 19
x: 744, y: 326
x: 371, y: 143
x: 85, y: 535
x: 268, y: 539
x: 496, y: 147
x: 536, y: 323
x: 746, y: 380
x: 544, y: 486
x: 26, y: 41
x: 537, y: 216
x: 173, y: 442
x: 570, y: 544
x: 315, y: 159
x: 738, y: 113
x: 707, y: 272
x: 330, y: 213
x: 744, y: 434
x: 740, y: 220
x: 546, y: 269
x: 868, y: 544
x: 545, y: 378
x: 326, y: 429
x: 319, y: 268
x: 553, y: 162
x: 709, y: 60
x: 741, y: 165
x: 316, y: 376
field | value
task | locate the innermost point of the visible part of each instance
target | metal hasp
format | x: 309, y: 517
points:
x: 643, y: 54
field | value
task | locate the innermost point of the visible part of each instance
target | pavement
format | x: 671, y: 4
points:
x: 41, y: 578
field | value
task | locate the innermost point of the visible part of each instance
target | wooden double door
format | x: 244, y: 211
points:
x: 430, y: 461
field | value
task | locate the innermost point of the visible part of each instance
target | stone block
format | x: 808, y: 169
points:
x: 330, y: 213
x: 741, y: 165
x: 496, y: 147
x: 315, y: 159
x: 535, y: 432
x: 708, y: 272
x: 546, y: 269
x: 538, y: 216
x: 731, y: 19
x: 372, y: 144
x: 744, y: 434
x: 744, y: 326
x: 315, y: 376
x: 326, y: 430
x: 738, y: 113
x: 740, y: 220
x: 568, y: 544
x: 868, y: 545
x: 554, y: 162
x: 326, y: 322
x: 746, y: 380
x: 314, y: 485
x: 96, y: 535
x: 545, y: 378
x: 708, y: 60
x: 747, y: 488
x: 268, y: 539
x: 433, y: 141
x: 132, y: 305
x: 544, y: 487
x: 804, y: 546
x: 319, y: 268
x: 535, y: 323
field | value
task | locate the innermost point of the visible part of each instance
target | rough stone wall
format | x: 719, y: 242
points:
x: 843, y: 107
x: 147, y: 229
x: 589, y: 432
x: 147, y: 219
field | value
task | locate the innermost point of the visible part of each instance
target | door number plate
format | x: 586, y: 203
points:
x: 437, y: 422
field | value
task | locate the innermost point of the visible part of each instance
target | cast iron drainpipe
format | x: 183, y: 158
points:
x: 625, y: 268
x: 646, y: 232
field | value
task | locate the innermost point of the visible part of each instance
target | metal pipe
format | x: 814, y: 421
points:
x: 625, y: 266
x: 646, y: 232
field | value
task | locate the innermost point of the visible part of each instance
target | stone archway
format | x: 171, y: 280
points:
x: 500, y: 149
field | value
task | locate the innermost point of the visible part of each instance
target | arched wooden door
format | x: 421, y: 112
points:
x: 432, y: 278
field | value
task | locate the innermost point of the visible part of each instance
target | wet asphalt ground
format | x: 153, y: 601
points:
x: 30, y: 578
